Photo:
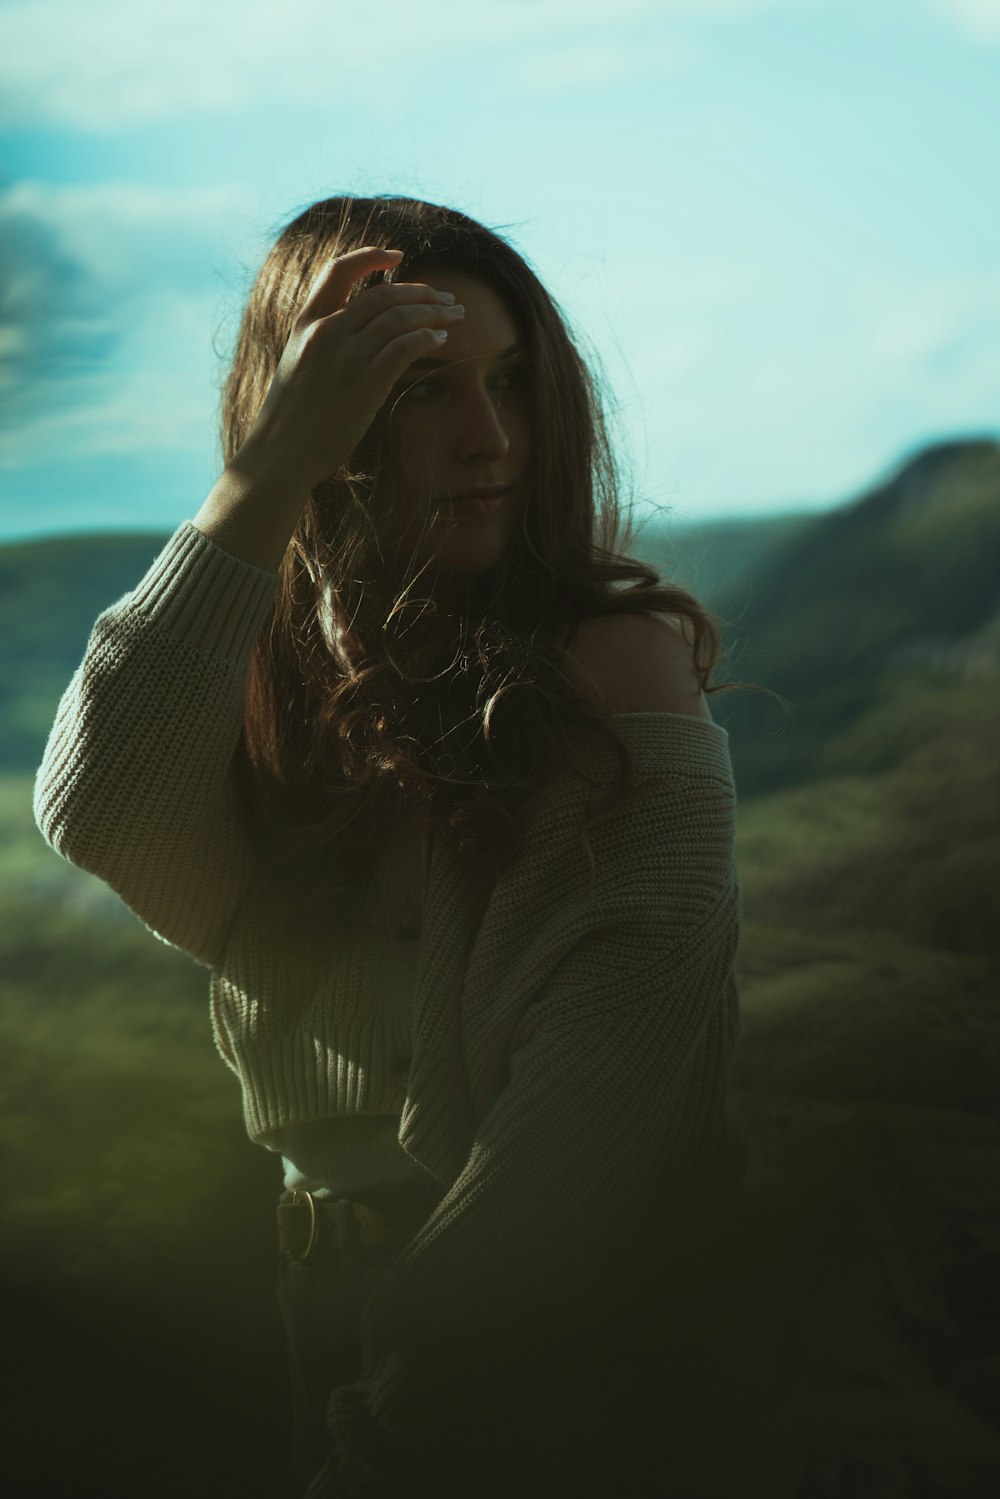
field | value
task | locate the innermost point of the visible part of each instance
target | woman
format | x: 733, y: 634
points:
x: 383, y: 740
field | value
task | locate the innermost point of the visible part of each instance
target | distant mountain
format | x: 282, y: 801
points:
x: 907, y: 569
x: 904, y: 579
x: 819, y: 608
x: 714, y: 560
x: 51, y: 592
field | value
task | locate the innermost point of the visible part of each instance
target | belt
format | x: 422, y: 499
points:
x: 306, y: 1221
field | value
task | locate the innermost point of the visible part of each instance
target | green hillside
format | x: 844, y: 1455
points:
x: 51, y: 592
x: 903, y: 577
x: 139, y: 1240
x: 716, y: 560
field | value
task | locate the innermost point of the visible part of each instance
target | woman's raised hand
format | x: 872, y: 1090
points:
x: 338, y: 367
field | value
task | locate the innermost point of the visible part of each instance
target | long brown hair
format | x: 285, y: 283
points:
x: 340, y: 731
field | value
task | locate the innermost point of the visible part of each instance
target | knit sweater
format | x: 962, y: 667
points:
x: 359, y: 1155
x: 573, y: 1019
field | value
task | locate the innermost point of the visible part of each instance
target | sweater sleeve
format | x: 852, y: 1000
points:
x: 615, y: 1099
x: 136, y: 784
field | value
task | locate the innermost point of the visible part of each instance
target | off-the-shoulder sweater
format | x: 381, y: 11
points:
x: 573, y: 1020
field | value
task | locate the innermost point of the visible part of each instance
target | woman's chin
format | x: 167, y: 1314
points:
x: 473, y: 547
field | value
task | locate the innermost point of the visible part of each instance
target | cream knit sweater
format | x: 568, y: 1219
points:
x: 573, y: 1024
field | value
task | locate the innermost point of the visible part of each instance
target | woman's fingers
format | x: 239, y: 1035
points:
x: 332, y: 286
x: 330, y: 291
x: 369, y: 306
x: 339, y: 364
x: 397, y: 321
x: 392, y: 361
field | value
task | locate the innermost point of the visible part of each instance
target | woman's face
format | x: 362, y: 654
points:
x: 461, y: 421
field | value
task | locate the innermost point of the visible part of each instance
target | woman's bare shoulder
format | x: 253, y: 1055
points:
x: 636, y: 663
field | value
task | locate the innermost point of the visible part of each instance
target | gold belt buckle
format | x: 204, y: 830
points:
x: 313, y: 1225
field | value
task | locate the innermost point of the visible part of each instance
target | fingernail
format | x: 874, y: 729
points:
x: 440, y: 334
x: 447, y: 296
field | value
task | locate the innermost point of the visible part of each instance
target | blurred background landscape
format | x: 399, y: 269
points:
x: 138, y: 1252
x: 770, y: 227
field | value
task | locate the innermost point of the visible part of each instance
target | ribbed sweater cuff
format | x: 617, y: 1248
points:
x: 198, y: 593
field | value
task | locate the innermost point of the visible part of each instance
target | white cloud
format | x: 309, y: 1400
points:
x: 740, y: 388
x: 123, y: 233
x: 99, y: 65
x: 979, y: 19
x: 110, y: 296
x: 571, y: 66
x: 580, y: 66
x: 114, y: 413
x: 919, y: 327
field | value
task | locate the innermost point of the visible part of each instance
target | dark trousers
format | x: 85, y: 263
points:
x: 774, y: 1367
x: 634, y: 1379
x: 321, y: 1301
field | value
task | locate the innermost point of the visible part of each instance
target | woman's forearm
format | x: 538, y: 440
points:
x: 252, y: 516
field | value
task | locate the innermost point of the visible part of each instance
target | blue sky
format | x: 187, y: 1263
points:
x: 775, y: 223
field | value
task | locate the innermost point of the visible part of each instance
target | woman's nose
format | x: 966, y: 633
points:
x: 482, y: 433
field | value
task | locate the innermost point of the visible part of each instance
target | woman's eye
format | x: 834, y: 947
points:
x: 510, y: 379
x: 513, y: 376
x: 418, y: 390
x: 432, y: 386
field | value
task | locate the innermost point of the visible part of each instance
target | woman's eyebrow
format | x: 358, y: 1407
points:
x: 437, y: 364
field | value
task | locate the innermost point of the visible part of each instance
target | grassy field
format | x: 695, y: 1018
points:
x: 854, y: 1314
x: 140, y: 1239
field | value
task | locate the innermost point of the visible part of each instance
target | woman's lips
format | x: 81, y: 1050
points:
x: 473, y: 506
